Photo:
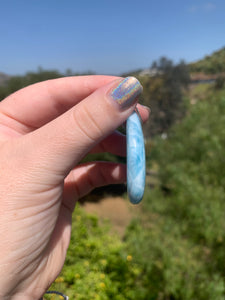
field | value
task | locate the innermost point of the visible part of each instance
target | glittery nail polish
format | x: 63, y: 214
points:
x: 125, y: 92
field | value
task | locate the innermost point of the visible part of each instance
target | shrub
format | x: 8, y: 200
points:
x: 220, y: 81
x: 98, y: 266
x: 181, y: 237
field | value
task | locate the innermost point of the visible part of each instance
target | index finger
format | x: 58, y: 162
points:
x: 40, y: 103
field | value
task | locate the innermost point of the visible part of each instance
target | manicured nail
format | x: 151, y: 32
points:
x: 125, y: 92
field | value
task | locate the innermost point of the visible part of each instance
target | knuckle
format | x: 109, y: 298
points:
x: 87, y: 123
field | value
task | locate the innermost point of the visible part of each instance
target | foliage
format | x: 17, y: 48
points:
x: 174, y: 249
x: 98, y: 266
x: 174, y: 267
x: 15, y: 83
x: 182, y: 238
x: 220, y: 82
x: 163, y: 93
x: 211, y: 64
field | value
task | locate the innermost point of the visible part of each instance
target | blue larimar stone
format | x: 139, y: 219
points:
x: 135, y: 159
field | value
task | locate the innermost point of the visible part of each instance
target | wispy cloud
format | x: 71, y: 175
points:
x: 193, y: 8
x: 206, y: 7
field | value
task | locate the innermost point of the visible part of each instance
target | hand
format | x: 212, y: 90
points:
x: 45, y: 130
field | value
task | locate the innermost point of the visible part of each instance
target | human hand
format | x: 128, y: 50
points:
x: 45, y: 130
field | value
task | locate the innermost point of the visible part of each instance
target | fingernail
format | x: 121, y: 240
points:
x: 146, y: 107
x: 125, y: 92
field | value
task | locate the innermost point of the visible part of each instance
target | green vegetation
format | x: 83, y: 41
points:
x: 98, y: 264
x: 174, y: 248
x: 14, y: 83
x: 181, y: 241
x: 211, y: 64
x: 164, y: 94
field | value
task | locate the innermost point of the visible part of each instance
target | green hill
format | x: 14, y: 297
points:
x: 210, y: 64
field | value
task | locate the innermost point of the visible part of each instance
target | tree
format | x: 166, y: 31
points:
x: 163, y: 93
x: 18, y: 82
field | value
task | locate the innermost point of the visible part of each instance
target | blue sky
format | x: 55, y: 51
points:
x: 107, y: 37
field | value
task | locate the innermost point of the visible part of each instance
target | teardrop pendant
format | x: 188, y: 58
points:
x: 136, y: 168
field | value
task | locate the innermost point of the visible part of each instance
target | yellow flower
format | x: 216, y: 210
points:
x: 129, y: 257
x: 86, y: 263
x: 77, y: 276
x: 59, y: 279
x: 102, y: 276
x: 103, y: 262
x: 102, y: 285
x: 78, y: 218
x: 136, y: 271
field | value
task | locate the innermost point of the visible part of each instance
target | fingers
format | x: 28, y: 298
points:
x: 144, y: 112
x: 84, y: 178
x: 60, y: 144
x: 36, y: 105
x: 115, y: 144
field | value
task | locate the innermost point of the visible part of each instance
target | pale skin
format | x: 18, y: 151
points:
x: 45, y: 130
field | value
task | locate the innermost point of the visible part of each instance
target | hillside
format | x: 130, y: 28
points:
x: 210, y: 64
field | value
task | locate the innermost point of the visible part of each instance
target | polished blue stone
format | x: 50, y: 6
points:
x: 135, y: 159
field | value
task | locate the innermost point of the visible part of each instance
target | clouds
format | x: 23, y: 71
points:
x: 202, y: 8
x: 209, y: 7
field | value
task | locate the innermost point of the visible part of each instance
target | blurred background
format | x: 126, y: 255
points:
x: 171, y: 246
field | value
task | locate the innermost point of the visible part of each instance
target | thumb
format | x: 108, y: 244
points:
x: 60, y: 144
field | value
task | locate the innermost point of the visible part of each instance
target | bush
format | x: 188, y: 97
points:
x: 175, y: 267
x: 174, y: 250
x: 16, y: 83
x: 98, y: 265
x: 220, y: 82
x: 181, y: 240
